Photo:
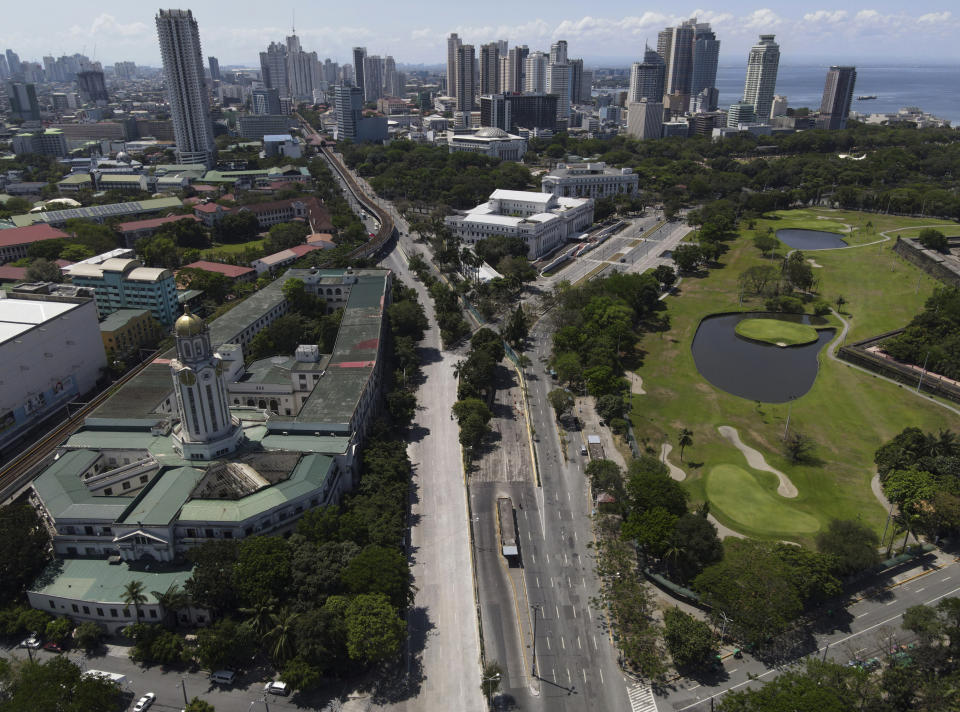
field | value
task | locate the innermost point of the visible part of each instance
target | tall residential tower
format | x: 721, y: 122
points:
x: 186, y: 86
x: 762, y: 65
x: 837, y: 95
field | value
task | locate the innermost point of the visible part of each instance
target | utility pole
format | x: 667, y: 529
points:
x: 536, y: 610
x: 923, y: 372
x: 183, y: 686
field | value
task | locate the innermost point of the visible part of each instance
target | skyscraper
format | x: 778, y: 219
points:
x: 186, y: 86
x: 647, y: 78
x: 680, y: 63
x: 535, y: 71
x: 13, y: 63
x: 489, y: 68
x: 358, y: 54
x: 706, y: 53
x: 265, y: 101
x: 93, y: 89
x: 516, y: 70
x: 301, y: 69
x: 453, y: 45
x: 348, y: 102
x: 645, y: 119
x: 372, y: 77
x: 214, y: 68
x: 391, y: 83
x: 4, y: 68
x: 558, y: 82
x: 463, y: 76
x: 576, y: 81
x: 273, y: 68
x: 23, y: 101
x: 762, y: 65
x: 837, y: 95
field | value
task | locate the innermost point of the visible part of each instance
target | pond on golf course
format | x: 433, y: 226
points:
x: 800, y: 239
x: 751, y: 369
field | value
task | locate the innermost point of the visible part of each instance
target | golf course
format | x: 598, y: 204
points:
x: 845, y: 416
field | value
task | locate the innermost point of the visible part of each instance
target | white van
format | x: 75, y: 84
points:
x: 223, y: 677
x: 277, y: 688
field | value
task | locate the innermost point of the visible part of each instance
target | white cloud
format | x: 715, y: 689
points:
x: 825, y: 16
x: 108, y: 25
x: 762, y: 20
x: 935, y: 17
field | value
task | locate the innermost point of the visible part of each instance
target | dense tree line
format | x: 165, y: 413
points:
x: 476, y: 388
x: 54, y: 684
x: 932, y: 338
x: 432, y: 175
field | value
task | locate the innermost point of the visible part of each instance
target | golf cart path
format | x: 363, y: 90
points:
x: 757, y: 461
x: 675, y: 472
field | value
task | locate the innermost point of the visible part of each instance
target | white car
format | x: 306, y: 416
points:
x: 277, y: 688
x: 144, y: 702
x: 31, y: 641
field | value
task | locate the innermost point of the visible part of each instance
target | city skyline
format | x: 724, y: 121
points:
x: 867, y: 32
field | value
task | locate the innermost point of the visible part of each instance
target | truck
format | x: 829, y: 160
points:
x: 114, y: 677
x: 595, y: 447
x: 508, y: 529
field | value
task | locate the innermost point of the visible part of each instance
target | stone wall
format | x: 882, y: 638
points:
x: 931, y: 262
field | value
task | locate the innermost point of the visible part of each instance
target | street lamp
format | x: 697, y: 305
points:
x: 487, y: 690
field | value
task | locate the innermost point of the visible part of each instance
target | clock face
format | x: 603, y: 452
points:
x: 187, y: 378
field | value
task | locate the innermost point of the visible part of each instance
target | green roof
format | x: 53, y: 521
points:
x: 159, y: 446
x: 119, y: 178
x: 65, y: 495
x: 230, y: 176
x: 120, y: 318
x: 137, y: 400
x: 99, y: 581
x: 98, y: 212
x: 76, y: 179
x: 309, y: 475
x: 160, y: 501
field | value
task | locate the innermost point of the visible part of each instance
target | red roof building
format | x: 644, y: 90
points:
x: 14, y: 241
x: 234, y: 272
x: 139, y: 229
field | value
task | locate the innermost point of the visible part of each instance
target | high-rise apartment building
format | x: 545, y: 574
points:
x: 645, y: 119
x: 125, y: 70
x: 348, y: 102
x: 742, y: 112
x: 273, y: 68
x: 576, y: 81
x: 372, y: 78
x: 558, y: 52
x: 837, y: 95
x: 761, y: 82
x: 558, y: 82
x: 392, y: 83
x: 214, y: 65
x: 358, y: 54
x: 301, y: 70
x: 13, y: 63
x: 93, y: 88
x: 706, y: 54
x: 680, y: 63
x: 453, y: 46
x: 779, y: 106
x: 647, y: 78
x: 463, y: 77
x: 186, y: 86
x: 512, y: 74
x: 4, y: 67
x: 23, y: 101
x: 489, y: 68
x: 265, y: 101
x: 535, y: 71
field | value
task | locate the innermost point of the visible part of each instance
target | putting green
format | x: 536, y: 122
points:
x: 777, y: 331
x: 739, y: 496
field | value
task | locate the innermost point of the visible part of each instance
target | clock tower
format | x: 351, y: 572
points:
x: 206, y: 430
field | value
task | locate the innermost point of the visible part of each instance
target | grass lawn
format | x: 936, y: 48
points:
x: 754, y: 505
x: 232, y: 248
x: 777, y: 331
x: 847, y: 414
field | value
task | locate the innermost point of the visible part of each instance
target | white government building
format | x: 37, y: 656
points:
x: 589, y: 180
x: 544, y: 221
x: 489, y: 141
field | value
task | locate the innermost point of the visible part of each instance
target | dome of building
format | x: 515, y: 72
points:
x: 188, y: 325
x: 124, y: 157
x: 491, y: 132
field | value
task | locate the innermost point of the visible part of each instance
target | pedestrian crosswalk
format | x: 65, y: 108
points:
x: 641, y: 698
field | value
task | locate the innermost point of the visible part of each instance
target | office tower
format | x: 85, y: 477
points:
x: 489, y: 68
x: 358, y: 55
x: 535, y: 71
x: 391, y: 79
x: 214, y: 65
x: 779, y: 106
x: 513, y: 111
x: 4, y: 67
x: 372, y: 77
x: 125, y: 70
x: 647, y: 78
x: 330, y: 71
x: 558, y: 82
x: 743, y: 112
x: 706, y: 53
x: 93, y: 89
x: 265, y: 101
x: 186, y: 86
x: 645, y: 119
x: 761, y: 80
x: 586, y: 86
x: 512, y: 79
x: 837, y: 95
x: 576, y: 81
x: 273, y: 68
x: 13, y: 63
x: 463, y: 77
x: 558, y: 52
x: 348, y: 102
x: 453, y: 46
x: 679, y: 58
x: 23, y: 101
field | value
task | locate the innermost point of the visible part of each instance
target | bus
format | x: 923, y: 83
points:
x: 508, y: 530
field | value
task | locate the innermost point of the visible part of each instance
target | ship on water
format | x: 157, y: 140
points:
x: 865, y: 97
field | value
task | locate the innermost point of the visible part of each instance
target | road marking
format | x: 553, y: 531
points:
x: 548, y: 557
x: 529, y: 538
x: 562, y: 643
x: 919, y: 590
x: 548, y: 642
x: 946, y: 578
x: 554, y: 675
x: 584, y: 671
x: 579, y: 646
x: 574, y: 536
x: 892, y: 602
x: 641, y: 698
x: 557, y: 609
x: 600, y: 670
x: 595, y: 643
x: 730, y: 672
x: 538, y: 581
x: 863, y: 614
x: 694, y: 687
x: 569, y: 679
x: 534, y: 557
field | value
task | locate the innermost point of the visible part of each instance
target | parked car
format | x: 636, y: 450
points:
x: 144, y: 702
x: 53, y: 647
x: 276, y: 687
x: 223, y: 677
x: 32, y: 641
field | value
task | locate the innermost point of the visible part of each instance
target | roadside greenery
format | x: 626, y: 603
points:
x: 932, y: 338
x: 54, y: 684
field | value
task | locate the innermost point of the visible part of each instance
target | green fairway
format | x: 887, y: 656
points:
x: 777, y: 331
x: 848, y: 414
x: 738, y: 497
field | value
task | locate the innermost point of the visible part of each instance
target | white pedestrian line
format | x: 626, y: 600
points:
x: 641, y: 698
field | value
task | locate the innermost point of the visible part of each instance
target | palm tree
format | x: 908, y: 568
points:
x: 261, y: 615
x: 171, y: 601
x: 133, y: 595
x: 685, y: 439
x: 280, y: 637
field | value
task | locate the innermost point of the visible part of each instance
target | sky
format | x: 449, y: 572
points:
x: 613, y: 33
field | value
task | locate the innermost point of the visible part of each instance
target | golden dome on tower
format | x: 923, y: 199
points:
x: 188, y: 324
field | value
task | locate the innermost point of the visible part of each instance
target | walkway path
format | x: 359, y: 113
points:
x: 675, y: 472
x: 636, y: 383
x: 757, y: 461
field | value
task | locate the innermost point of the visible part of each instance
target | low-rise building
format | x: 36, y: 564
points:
x: 127, y: 330
x: 488, y: 141
x: 121, y: 283
x: 235, y: 273
x: 15, y: 241
x: 98, y: 213
x: 139, y: 229
x: 589, y: 180
x: 543, y: 220
x: 277, y: 260
x: 308, y: 209
x: 281, y: 145
x: 50, y: 142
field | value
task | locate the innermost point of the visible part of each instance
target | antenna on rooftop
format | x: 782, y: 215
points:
x: 293, y: 24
